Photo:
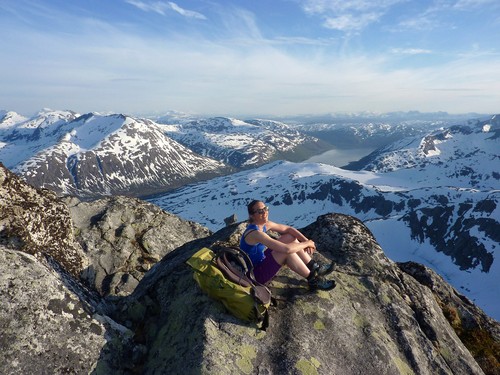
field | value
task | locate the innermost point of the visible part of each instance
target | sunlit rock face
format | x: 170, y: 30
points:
x: 378, y: 312
x: 123, y: 238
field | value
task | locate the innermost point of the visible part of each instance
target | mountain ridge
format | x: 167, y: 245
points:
x: 443, y: 219
x: 89, y: 154
x: 95, y: 155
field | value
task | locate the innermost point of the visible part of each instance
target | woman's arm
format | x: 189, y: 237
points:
x: 286, y: 229
x: 288, y: 248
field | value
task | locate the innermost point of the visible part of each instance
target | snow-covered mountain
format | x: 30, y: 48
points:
x: 244, y: 144
x: 93, y: 154
x: 450, y: 223
x: 464, y: 156
x: 370, y: 134
x: 433, y: 198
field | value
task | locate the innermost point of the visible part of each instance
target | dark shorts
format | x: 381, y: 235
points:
x: 267, y: 269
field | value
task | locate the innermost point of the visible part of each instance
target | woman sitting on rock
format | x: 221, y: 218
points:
x: 292, y: 248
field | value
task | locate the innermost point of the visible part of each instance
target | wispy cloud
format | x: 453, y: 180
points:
x: 422, y: 22
x: 350, y: 22
x: 341, y: 6
x: 410, y: 51
x: 348, y: 15
x: 437, y: 15
x: 162, y: 7
x: 468, y: 4
x: 237, y: 66
x: 185, y: 12
x: 239, y: 23
x: 298, y: 40
x: 157, y: 7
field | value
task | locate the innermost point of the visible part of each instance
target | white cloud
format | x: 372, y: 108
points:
x: 441, y: 14
x: 157, y: 7
x: 348, y: 15
x: 349, y: 22
x: 186, y: 13
x: 341, y: 6
x: 240, y: 23
x: 410, y: 51
x: 161, y: 7
x: 468, y: 4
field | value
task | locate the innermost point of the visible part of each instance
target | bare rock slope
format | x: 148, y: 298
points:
x: 45, y: 327
x: 123, y: 238
x: 379, y: 319
x: 382, y: 318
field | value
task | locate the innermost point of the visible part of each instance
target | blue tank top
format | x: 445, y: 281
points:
x: 255, y: 252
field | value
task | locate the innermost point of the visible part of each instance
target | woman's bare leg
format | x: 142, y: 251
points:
x: 293, y: 261
x: 288, y: 238
x: 296, y: 261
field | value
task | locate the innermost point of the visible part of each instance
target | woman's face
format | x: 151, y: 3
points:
x: 260, y: 213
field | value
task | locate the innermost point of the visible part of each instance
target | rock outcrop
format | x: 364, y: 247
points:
x: 34, y: 221
x: 123, y: 238
x: 477, y: 331
x: 379, y: 319
x: 382, y: 318
x: 45, y: 328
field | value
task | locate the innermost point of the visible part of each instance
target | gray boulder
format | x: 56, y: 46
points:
x: 45, y: 328
x: 36, y: 222
x: 123, y: 238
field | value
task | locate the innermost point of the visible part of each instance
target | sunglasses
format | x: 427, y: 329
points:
x: 260, y: 211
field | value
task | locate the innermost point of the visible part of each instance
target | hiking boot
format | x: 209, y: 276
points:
x: 324, y: 269
x: 319, y: 283
x: 321, y: 269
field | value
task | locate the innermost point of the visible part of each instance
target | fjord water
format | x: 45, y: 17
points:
x: 340, y: 157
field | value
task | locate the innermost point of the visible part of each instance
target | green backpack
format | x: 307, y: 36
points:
x: 227, y: 276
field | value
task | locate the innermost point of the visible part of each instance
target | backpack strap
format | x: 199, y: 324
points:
x: 231, y: 272
x: 248, y: 231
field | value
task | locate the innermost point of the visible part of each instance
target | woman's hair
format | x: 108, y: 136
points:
x: 250, y: 206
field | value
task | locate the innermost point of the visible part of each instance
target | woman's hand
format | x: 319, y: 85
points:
x: 311, y: 247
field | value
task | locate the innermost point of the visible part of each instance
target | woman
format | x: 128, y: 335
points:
x: 292, y: 248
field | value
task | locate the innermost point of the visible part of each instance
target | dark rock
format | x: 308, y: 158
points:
x: 34, y: 221
x: 231, y: 219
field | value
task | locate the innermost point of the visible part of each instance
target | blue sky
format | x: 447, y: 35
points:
x: 250, y: 57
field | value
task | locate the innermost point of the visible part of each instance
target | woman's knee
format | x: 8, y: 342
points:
x: 280, y: 258
x: 287, y: 238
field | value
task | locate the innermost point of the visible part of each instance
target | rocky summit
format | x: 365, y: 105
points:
x: 382, y: 318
